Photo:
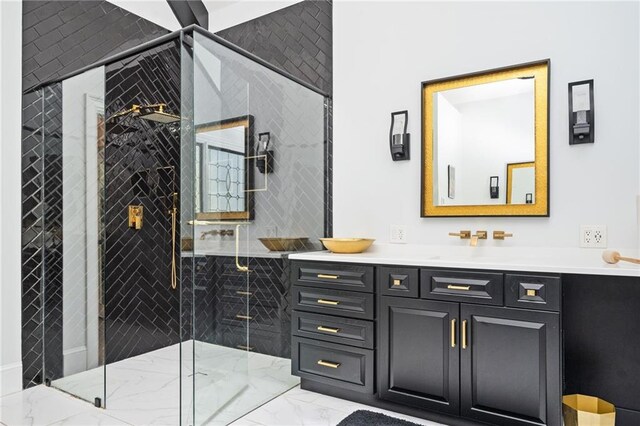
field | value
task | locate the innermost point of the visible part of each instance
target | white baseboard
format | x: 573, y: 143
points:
x: 75, y: 360
x: 10, y: 378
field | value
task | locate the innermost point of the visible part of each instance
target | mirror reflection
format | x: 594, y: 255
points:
x: 222, y: 173
x: 478, y: 130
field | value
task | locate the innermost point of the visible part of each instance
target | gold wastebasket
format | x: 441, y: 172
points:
x: 584, y: 410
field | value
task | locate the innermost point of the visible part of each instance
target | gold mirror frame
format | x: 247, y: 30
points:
x: 510, y: 168
x: 247, y: 123
x: 540, y: 71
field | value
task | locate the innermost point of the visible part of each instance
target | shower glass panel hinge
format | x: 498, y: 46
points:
x: 97, y: 402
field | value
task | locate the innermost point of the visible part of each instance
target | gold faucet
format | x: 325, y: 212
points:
x: 479, y: 235
x: 501, y: 235
x: 464, y: 235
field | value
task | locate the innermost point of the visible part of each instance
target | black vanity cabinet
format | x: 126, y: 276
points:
x: 509, y: 365
x: 419, y: 360
x: 455, y: 346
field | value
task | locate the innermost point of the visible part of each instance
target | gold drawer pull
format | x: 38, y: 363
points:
x: 459, y: 287
x: 243, y: 347
x: 244, y: 293
x: 244, y: 317
x: 464, y: 334
x: 453, y: 333
x: 397, y: 282
x: 328, y: 329
x: 531, y: 292
x: 328, y: 302
x: 328, y: 277
x: 328, y: 364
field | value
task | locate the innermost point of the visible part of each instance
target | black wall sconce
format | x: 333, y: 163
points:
x: 398, y: 136
x: 581, y: 112
x: 494, y: 189
x: 264, y: 160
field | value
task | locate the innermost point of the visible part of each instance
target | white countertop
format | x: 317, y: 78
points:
x: 532, y: 259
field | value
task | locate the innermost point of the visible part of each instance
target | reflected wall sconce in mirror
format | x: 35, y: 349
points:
x: 528, y: 198
x: 581, y: 112
x: 264, y: 160
x: 398, y: 136
x: 494, y: 189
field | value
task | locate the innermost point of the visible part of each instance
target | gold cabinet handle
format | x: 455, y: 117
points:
x: 397, y: 282
x: 328, y: 329
x: 244, y: 293
x: 453, y: 333
x: 328, y: 364
x: 464, y: 334
x: 243, y: 347
x: 328, y: 277
x: 244, y: 317
x: 459, y: 287
x: 328, y: 302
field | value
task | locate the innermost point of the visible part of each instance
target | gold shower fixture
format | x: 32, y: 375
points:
x: 151, y: 112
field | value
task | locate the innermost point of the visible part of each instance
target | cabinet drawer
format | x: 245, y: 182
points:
x: 345, y: 303
x: 333, y: 329
x: 342, y: 366
x: 333, y: 275
x: 398, y: 282
x: 533, y: 292
x: 476, y: 287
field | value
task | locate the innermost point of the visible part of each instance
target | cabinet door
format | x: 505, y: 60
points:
x: 510, y: 368
x: 418, y: 361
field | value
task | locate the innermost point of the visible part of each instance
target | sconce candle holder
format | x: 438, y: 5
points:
x: 264, y: 160
x: 398, y: 137
x: 581, y: 112
x: 494, y: 188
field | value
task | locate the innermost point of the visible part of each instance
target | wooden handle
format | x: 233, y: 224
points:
x: 630, y: 259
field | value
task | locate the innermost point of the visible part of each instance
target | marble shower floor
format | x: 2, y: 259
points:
x: 145, y: 389
x: 48, y: 407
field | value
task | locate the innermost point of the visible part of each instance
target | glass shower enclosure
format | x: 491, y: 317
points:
x: 167, y: 171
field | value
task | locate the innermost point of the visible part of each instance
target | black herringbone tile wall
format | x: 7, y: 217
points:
x: 297, y: 39
x: 58, y: 37
x: 142, y: 311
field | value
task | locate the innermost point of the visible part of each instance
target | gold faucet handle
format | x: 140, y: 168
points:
x: 464, y: 235
x: 501, y: 235
x: 135, y: 217
x: 480, y: 235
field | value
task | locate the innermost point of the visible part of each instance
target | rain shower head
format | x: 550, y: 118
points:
x: 155, y: 113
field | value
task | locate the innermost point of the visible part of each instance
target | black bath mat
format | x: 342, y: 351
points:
x: 369, y: 418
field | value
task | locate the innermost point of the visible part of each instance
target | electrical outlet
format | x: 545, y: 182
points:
x: 593, y: 236
x: 398, y: 234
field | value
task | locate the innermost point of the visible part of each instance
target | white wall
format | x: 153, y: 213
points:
x: 10, y: 196
x: 384, y: 50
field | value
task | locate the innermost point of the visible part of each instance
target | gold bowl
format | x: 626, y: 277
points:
x: 285, y: 244
x: 347, y: 245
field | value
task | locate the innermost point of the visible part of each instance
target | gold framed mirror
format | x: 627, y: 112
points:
x: 481, y: 131
x: 223, y: 172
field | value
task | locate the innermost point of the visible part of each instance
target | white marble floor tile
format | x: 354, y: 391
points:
x: 300, y: 407
x: 92, y: 417
x: 39, y: 405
